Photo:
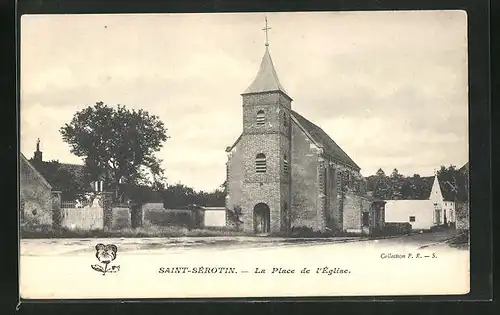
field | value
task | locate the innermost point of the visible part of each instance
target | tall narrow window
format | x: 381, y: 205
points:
x: 260, y: 163
x: 261, y: 118
x: 285, y: 164
x: 366, y: 219
x: 285, y: 122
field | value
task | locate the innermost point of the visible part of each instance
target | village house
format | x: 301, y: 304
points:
x: 462, y: 206
x: 436, y: 209
x: 63, y: 177
x: 285, y: 172
x: 40, y: 182
x: 35, y: 194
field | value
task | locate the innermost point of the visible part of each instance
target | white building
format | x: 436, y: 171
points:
x: 214, y: 216
x: 423, y: 214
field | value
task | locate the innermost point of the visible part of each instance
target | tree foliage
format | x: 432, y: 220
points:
x: 179, y: 195
x: 398, y: 186
x: 117, y: 143
x: 454, y: 180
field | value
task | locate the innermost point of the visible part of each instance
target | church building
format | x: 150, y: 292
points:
x: 284, y: 172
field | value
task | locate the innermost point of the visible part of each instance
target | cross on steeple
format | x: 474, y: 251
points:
x: 265, y: 29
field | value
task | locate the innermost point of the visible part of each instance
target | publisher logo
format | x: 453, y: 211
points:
x: 105, y: 254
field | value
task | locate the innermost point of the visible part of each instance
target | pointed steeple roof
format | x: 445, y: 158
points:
x: 267, y: 78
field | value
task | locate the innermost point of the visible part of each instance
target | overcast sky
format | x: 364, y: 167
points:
x: 389, y: 87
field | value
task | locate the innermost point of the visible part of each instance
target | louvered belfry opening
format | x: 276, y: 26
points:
x: 260, y: 163
x: 285, y: 164
x: 261, y: 118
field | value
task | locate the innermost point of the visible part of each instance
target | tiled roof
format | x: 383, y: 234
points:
x: 76, y: 171
x: 331, y: 148
x: 40, y: 176
x: 73, y: 168
x: 427, y: 186
x: 446, y: 190
x: 465, y: 168
x: 267, y: 78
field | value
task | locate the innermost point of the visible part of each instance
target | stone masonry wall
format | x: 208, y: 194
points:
x: 235, y: 173
x: 334, y: 219
x: 35, y: 195
x: 255, y: 193
x: 304, y: 180
x: 246, y: 187
x: 352, y: 212
x: 267, y: 98
x: 257, y: 187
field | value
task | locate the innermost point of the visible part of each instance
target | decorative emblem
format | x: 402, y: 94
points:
x: 105, y: 254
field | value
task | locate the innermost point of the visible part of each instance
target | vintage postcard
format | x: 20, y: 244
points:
x: 244, y: 155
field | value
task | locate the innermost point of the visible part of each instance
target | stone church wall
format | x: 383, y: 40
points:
x: 304, y: 180
x: 246, y: 188
x: 254, y: 193
x: 334, y: 219
x: 269, y: 98
x: 261, y: 187
x: 352, y: 213
x: 235, y: 172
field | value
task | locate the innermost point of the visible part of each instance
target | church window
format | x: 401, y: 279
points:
x: 285, y: 164
x: 285, y: 122
x: 260, y: 163
x: 261, y: 118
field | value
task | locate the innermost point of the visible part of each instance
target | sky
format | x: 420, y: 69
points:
x: 389, y: 87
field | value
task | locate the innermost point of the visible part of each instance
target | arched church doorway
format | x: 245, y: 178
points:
x: 261, y: 218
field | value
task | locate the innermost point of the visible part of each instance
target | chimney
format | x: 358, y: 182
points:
x: 37, y: 156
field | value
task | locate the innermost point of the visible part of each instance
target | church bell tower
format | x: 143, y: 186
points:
x: 266, y: 144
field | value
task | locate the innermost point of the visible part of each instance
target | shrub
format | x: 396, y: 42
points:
x: 234, y: 217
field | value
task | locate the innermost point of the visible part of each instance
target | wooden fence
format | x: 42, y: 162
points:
x: 87, y: 218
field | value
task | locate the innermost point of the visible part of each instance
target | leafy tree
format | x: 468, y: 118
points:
x: 396, y: 185
x: 408, y: 189
x: 117, y: 143
x: 178, y: 195
x: 382, y: 186
x: 420, y: 186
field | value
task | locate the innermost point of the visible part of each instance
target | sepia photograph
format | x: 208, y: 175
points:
x: 232, y: 155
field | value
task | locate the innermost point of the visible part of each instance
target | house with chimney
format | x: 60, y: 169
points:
x: 40, y: 179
